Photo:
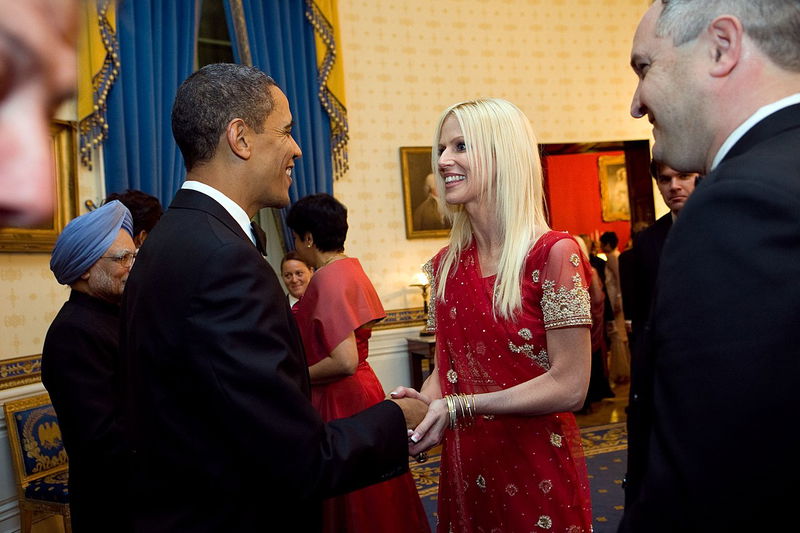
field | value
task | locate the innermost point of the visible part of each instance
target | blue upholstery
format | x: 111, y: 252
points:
x: 52, y: 488
x: 40, y: 439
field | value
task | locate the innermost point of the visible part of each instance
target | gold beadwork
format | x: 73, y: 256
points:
x: 427, y: 268
x: 535, y: 276
x: 452, y: 377
x: 546, y: 486
x: 562, y: 307
x: 525, y: 333
x: 574, y: 260
x: 556, y: 440
x: 481, y: 482
x: 541, y: 358
x: 545, y: 522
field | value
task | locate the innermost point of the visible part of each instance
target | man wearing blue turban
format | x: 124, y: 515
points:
x: 93, y: 255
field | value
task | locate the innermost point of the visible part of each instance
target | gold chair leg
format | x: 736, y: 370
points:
x: 67, y: 523
x: 25, y: 520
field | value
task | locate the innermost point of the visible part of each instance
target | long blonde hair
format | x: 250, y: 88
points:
x: 501, y: 144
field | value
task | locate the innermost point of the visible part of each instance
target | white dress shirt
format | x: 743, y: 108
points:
x: 754, y: 119
x: 229, y: 205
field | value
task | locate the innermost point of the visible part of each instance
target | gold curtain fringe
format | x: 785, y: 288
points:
x: 93, y: 129
x: 335, y: 109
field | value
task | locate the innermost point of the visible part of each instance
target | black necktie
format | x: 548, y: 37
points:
x: 261, y: 238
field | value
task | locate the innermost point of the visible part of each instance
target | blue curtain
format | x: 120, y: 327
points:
x: 281, y: 43
x: 157, y: 48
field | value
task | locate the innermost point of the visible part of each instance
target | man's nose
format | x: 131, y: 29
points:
x: 638, y: 110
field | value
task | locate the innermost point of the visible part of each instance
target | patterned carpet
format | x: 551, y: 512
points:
x: 605, y: 449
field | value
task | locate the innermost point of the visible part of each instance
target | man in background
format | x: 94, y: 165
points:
x: 93, y: 255
x: 619, y: 366
x: 216, y: 388
x: 720, y: 82
x: 145, y: 209
x: 642, y: 268
x: 38, y: 71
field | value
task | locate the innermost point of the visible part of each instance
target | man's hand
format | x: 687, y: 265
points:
x: 413, y: 410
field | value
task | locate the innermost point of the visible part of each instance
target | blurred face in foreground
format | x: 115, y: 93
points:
x: 37, y: 73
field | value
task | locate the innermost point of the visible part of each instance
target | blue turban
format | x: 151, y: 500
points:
x: 86, y: 238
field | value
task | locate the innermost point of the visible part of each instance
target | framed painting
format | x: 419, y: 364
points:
x: 613, y: 188
x: 42, y: 237
x: 423, y: 219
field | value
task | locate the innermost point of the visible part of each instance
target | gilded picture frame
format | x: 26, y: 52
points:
x: 42, y: 237
x: 421, y: 216
x: 613, y: 188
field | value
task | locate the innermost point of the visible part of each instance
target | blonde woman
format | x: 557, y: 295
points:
x: 512, y: 316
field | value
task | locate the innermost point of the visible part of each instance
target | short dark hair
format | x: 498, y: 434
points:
x: 145, y: 209
x: 324, y: 217
x: 209, y: 99
x: 655, y: 168
x: 294, y: 256
x: 610, y: 238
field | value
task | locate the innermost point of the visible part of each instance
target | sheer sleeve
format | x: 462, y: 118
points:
x: 427, y: 268
x: 565, y: 294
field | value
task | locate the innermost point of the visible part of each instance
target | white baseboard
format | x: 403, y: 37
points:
x: 388, y: 356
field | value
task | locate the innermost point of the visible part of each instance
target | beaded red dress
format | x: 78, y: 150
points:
x: 510, y: 473
x: 340, y: 300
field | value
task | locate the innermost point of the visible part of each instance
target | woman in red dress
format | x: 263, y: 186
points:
x: 335, y: 317
x: 511, y: 313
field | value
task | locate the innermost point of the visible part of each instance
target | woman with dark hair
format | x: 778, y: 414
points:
x: 335, y: 317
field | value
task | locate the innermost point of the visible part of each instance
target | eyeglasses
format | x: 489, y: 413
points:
x: 124, y: 258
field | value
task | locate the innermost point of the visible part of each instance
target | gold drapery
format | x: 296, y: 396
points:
x: 324, y: 17
x: 98, y: 68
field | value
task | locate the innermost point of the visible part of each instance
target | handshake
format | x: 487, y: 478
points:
x: 426, y: 419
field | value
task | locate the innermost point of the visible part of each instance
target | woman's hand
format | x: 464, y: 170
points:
x: 406, y: 392
x: 430, y: 431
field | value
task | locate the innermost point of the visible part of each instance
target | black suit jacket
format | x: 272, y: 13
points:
x: 722, y: 448
x: 638, y: 271
x: 216, y: 390
x: 78, y: 360
x: 642, y: 269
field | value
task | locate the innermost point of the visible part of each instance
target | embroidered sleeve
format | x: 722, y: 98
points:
x: 427, y: 268
x: 565, y: 294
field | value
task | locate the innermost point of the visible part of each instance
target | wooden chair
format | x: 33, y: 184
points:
x: 39, y: 459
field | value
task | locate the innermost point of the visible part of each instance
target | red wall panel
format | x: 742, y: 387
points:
x: 573, y: 196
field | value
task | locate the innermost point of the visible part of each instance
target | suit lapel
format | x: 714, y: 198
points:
x: 189, y: 199
x: 787, y: 118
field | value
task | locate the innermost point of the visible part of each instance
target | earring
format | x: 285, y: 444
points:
x: 308, y: 245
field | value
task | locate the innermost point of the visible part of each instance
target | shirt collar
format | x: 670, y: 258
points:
x: 754, y: 119
x: 229, y: 205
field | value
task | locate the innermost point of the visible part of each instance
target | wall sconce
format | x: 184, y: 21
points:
x: 422, y: 282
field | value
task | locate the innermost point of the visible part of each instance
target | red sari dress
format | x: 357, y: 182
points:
x: 340, y: 300
x: 509, y: 473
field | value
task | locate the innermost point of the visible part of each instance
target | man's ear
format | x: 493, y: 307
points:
x: 139, y: 239
x: 725, y: 35
x: 308, y: 239
x: 237, y: 134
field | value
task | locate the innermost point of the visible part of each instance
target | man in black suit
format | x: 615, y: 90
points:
x: 720, y: 82
x: 216, y: 386
x: 641, y: 268
x: 93, y: 255
x: 638, y: 271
